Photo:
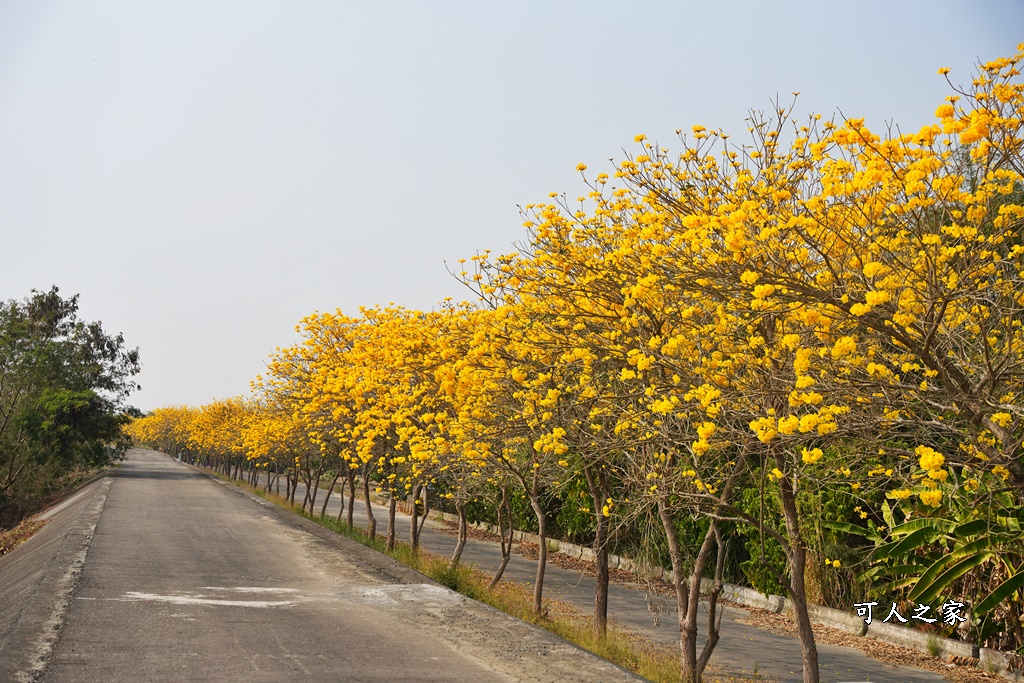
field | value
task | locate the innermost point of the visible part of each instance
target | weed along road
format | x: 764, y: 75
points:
x: 186, y: 580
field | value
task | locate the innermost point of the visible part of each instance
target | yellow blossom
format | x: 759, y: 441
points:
x: 844, y: 346
x: 1002, y: 419
x: 930, y: 459
x: 809, y: 423
x: 788, y: 425
x: 811, y: 456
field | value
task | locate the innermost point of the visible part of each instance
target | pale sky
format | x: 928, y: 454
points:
x: 206, y: 173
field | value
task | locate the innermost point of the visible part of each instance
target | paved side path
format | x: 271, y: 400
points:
x: 743, y: 649
x: 187, y: 579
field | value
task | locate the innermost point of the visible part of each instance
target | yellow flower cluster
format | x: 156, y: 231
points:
x: 930, y: 459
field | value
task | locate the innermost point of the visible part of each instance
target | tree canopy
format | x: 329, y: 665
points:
x: 64, y: 383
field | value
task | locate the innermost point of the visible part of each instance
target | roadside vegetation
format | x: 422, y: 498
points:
x: 791, y: 359
x: 12, y: 538
x: 64, y: 383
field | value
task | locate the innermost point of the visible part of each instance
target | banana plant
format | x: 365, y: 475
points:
x: 962, y: 549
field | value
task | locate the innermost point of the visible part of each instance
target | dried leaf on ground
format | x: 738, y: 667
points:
x: 12, y: 538
x: 883, y: 652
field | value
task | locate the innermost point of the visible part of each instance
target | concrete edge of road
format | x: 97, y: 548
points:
x: 391, y: 570
x: 42, y: 575
x: 72, y: 496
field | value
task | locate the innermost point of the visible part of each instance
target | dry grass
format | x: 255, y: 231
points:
x: 12, y: 538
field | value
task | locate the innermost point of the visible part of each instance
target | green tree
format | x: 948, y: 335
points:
x: 64, y: 384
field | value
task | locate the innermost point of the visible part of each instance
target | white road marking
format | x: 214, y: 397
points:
x: 201, y: 600
x: 251, y: 589
x: 425, y: 596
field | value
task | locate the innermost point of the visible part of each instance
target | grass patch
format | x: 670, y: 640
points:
x: 658, y: 663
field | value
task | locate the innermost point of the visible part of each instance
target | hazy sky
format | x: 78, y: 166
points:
x: 205, y: 173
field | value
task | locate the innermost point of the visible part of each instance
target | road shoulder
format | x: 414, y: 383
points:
x: 38, y: 580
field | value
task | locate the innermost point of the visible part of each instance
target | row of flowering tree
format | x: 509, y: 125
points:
x: 818, y: 309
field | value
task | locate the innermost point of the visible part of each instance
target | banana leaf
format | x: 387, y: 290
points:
x: 978, y: 526
x: 939, y: 567
x: 918, y: 538
x: 942, y: 525
x: 846, y: 527
x: 927, y: 592
x: 1002, y: 592
x: 890, y: 521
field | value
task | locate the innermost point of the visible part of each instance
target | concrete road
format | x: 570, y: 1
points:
x: 189, y: 580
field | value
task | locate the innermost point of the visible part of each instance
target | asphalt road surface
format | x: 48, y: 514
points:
x: 188, y: 580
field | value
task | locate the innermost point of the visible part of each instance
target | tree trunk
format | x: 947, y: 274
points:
x: 688, y: 591
x: 334, y: 482
x: 414, y: 536
x: 687, y: 661
x: 460, y: 507
x: 714, y: 628
x: 598, y: 493
x: 316, y: 485
x: 341, y: 496
x: 369, y: 508
x: 307, y: 480
x: 542, y: 554
x: 796, y: 553
x: 392, y: 508
x: 341, y: 502
x: 351, y: 498
x: 506, y: 548
x: 688, y: 598
x: 425, y: 497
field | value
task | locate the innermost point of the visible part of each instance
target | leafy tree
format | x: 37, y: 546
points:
x: 64, y: 384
